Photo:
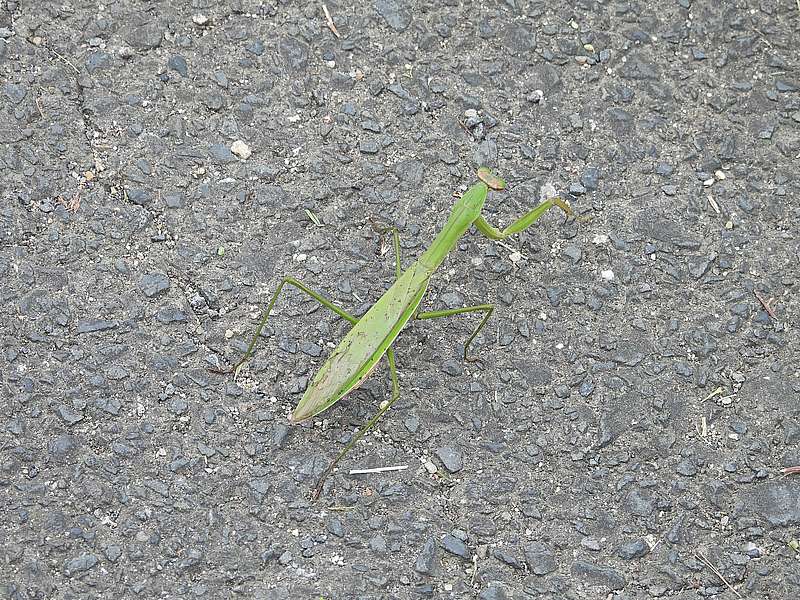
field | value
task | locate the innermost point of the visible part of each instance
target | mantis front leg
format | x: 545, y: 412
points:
x: 523, y: 222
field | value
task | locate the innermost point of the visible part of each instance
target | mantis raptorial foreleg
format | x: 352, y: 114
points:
x: 525, y: 221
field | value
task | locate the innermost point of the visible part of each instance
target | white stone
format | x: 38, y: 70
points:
x: 240, y: 149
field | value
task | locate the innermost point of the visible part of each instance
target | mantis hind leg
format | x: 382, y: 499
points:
x: 303, y: 288
x: 398, y: 268
x: 367, y: 426
x: 485, y: 308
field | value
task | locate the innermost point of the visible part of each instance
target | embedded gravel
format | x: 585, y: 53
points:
x: 163, y: 164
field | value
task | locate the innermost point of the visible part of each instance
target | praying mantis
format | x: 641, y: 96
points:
x: 372, y: 335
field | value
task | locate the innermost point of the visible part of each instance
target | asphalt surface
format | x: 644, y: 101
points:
x: 163, y: 164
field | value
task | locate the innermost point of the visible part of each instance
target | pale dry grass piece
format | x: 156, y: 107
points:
x: 717, y: 573
x: 378, y: 470
x: 329, y: 21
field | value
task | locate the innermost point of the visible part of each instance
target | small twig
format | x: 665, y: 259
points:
x: 766, y: 304
x: 314, y: 218
x: 329, y: 21
x: 791, y: 470
x: 716, y: 392
x: 59, y: 56
x: 717, y: 573
x: 378, y: 470
x: 510, y: 248
x: 464, y: 127
x: 763, y: 38
x: 73, y: 204
x: 39, y: 105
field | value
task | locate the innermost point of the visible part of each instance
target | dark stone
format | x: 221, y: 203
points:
x: 153, y: 284
x: 540, y: 559
x: 145, y: 36
x: 294, y: 53
x: 777, y: 501
x: 451, y: 459
x: 426, y: 560
x: 453, y: 545
x: 598, y: 575
x: 411, y: 173
x: 139, y: 196
x: 177, y: 63
x: 92, y: 325
x: 633, y: 549
x: 221, y: 153
x: 396, y: 13
x: 98, y: 60
x: 80, y: 564
x: 591, y: 178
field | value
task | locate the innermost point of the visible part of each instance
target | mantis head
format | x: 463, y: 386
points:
x: 491, y: 180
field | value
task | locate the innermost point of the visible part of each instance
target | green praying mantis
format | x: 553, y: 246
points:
x: 373, y: 334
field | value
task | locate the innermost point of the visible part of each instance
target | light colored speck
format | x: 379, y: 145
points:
x: 709, y: 182
x: 229, y: 334
x: 200, y: 19
x: 600, y: 239
x: 240, y: 149
x: 607, y: 275
x: 548, y: 190
x: 430, y: 467
x: 515, y: 257
x: 720, y: 175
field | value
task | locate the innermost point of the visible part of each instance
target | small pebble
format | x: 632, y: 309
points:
x: 240, y: 149
x: 451, y: 459
x: 607, y: 275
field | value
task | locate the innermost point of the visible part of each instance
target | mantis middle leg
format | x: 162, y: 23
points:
x: 485, y: 308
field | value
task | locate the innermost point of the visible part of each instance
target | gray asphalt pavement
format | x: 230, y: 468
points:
x: 624, y: 436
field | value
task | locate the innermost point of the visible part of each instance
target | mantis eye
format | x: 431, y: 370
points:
x: 493, y: 181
